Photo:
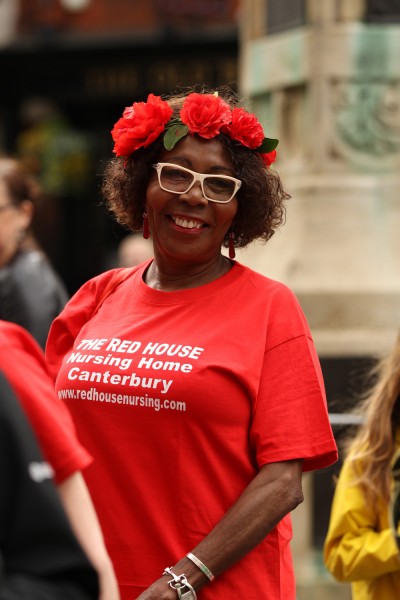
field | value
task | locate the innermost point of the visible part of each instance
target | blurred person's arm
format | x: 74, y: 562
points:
x: 78, y: 505
x: 360, y: 544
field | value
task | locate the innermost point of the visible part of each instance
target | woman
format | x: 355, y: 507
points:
x: 192, y: 379
x: 31, y: 293
x: 363, y: 541
x: 24, y: 369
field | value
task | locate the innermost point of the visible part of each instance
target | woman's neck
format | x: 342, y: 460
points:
x: 169, y: 278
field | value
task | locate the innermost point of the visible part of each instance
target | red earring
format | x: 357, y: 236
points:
x: 232, y: 253
x: 146, y: 228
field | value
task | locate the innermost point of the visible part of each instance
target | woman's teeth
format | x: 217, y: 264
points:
x: 187, y: 224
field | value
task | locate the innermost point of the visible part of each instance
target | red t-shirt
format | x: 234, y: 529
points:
x: 181, y: 397
x: 22, y: 362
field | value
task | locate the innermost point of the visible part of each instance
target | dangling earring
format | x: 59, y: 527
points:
x: 232, y: 253
x: 21, y: 235
x: 146, y: 229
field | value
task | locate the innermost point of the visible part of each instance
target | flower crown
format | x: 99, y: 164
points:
x: 207, y: 115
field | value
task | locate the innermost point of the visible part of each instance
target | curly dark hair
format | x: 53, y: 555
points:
x: 260, y: 199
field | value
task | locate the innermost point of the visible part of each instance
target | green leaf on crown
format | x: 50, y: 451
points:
x: 173, y: 135
x: 268, y: 145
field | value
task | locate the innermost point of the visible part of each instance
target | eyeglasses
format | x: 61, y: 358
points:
x: 6, y: 206
x: 179, y: 180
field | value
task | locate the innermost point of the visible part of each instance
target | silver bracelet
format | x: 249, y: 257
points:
x: 201, y: 566
x: 178, y: 582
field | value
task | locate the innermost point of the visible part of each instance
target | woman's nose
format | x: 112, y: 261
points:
x: 195, y: 195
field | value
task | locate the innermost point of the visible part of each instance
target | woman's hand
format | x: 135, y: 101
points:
x: 159, y: 590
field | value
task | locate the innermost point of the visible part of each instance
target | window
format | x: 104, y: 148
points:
x: 382, y: 11
x: 285, y: 14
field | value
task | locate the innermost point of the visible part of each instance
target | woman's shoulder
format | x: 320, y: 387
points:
x: 263, y: 283
x: 99, y: 285
x: 34, y: 267
x: 273, y: 303
x: 91, y: 294
x: 29, y: 261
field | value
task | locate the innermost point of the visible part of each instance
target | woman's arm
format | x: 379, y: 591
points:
x: 80, y: 511
x: 273, y: 493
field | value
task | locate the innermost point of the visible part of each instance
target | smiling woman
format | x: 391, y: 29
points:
x: 193, y: 173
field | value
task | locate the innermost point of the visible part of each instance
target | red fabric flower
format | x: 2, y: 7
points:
x: 205, y: 114
x: 140, y: 125
x: 269, y: 157
x: 245, y: 128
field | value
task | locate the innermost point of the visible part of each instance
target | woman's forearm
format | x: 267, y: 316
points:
x: 272, y: 494
x: 78, y: 505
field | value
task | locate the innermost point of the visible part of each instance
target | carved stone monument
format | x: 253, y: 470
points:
x: 329, y: 89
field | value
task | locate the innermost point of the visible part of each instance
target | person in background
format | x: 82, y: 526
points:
x: 133, y: 249
x: 31, y: 292
x: 362, y: 545
x: 194, y: 381
x: 40, y: 557
x: 24, y: 370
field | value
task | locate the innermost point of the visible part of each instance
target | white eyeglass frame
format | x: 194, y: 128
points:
x: 197, y: 177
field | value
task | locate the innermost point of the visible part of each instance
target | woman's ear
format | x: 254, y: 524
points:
x: 25, y: 211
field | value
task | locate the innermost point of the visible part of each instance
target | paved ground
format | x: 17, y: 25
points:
x: 323, y: 590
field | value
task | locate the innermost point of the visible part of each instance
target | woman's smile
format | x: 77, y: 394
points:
x: 190, y: 224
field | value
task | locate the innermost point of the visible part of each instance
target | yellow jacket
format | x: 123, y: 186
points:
x: 360, y: 547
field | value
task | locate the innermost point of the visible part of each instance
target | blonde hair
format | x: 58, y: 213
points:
x: 372, y: 449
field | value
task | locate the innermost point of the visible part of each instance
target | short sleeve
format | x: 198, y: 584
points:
x: 291, y: 418
x: 23, y: 364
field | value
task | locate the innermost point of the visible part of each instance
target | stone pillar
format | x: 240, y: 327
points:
x: 329, y: 89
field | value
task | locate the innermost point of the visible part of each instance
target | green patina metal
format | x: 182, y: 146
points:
x: 288, y: 66
x: 375, y: 51
x: 367, y: 116
x: 363, y: 80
